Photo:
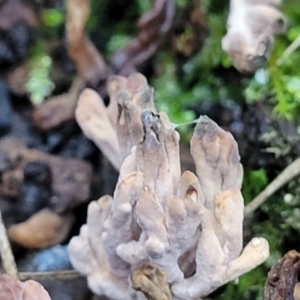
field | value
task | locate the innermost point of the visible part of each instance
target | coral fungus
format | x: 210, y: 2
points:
x: 186, y: 226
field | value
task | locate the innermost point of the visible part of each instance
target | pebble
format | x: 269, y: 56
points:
x: 51, y: 259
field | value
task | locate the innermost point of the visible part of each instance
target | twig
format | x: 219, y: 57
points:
x: 55, y: 275
x: 8, y: 260
x: 289, y: 50
x: 286, y: 175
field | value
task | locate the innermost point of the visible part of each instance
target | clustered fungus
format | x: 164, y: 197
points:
x: 163, y: 232
x: 13, y: 289
x: 251, y: 27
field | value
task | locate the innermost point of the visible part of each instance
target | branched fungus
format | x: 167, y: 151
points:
x: 251, y: 27
x: 184, y: 226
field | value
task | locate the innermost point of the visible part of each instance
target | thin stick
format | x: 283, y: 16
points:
x: 8, y: 260
x: 289, y: 50
x: 285, y: 176
x: 55, y: 275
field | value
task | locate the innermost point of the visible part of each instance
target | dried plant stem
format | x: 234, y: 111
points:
x: 289, y: 50
x: 8, y: 260
x: 55, y: 275
x: 286, y: 175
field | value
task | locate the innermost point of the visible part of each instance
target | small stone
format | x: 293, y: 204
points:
x: 42, y: 230
x: 51, y: 259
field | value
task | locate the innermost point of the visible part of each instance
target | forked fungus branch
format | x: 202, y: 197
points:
x: 251, y: 27
x: 159, y: 221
